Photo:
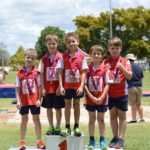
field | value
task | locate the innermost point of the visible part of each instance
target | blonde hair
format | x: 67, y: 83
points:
x: 115, y: 41
x: 32, y: 52
x: 72, y: 34
x: 98, y: 48
x: 49, y: 37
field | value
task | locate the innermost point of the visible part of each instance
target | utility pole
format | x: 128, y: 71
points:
x: 111, y: 34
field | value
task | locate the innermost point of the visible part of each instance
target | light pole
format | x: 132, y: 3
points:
x: 110, y: 17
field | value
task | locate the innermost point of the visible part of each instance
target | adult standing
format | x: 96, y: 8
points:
x: 135, y: 90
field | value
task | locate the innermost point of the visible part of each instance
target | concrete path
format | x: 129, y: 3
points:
x: 83, y: 117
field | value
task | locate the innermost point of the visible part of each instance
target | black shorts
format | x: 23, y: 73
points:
x: 33, y: 109
x: 120, y: 103
x: 99, y: 108
x: 53, y: 101
x: 71, y: 93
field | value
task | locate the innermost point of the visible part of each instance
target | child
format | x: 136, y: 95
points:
x: 118, y: 94
x: 48, y: 68
x: 74, y: 71
x: 96, y: 95
x: 28, y: 89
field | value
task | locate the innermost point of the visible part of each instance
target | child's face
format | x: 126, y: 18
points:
x: 115, y: 51
x: 29, y: 60
x: 72, y: 43
x: 96, y: 56
x: 52, y: 45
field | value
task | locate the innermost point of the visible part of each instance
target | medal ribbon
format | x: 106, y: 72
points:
x: 73, y: 71
x: 54, y: 62
x: 116, y: 73
x: 96, y: 85
x: 30, y: 88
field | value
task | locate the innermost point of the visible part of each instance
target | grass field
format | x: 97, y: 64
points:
x: 137, y: 135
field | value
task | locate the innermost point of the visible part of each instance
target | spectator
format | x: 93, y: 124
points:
x: 3, y: 75
x: 135, y: 90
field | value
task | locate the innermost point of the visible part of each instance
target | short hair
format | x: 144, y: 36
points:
x: 98, y: 48
x: 49, y: 37
x: 72, y: 34
x: 32, y: 52
x: 114, y: 41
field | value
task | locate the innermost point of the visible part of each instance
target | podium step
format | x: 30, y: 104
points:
x: 64, y: 143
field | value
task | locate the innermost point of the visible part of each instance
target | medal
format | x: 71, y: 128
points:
x: 30, y: 85
x: 54, y: 63
x: 73, y: 71
x: 96, y: 85
x: 115, y: 72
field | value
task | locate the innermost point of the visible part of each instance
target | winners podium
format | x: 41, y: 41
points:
x: 64, y: 143
x: 55, y: 142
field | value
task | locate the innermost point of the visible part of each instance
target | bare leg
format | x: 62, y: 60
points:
x: 91, y: 125
x: 76, y: 106
x: 67, y: 111
x: 50, y: 116
x: 37, y: 125
x: 122, y: 123
x: 114, y: 121
x: 23, y: 126
x: 101, y: 123
x: 58, y: 116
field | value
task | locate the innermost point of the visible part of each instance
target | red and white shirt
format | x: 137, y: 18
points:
x: 119, y: 89
x: 23, y: 81
x: 96, y: 82
x: 49, y: 66
x: 72, y: 69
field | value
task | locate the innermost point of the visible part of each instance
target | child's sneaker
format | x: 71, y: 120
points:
x: 77, y: 132
x: 50, y: 131
x: 103, y: 145
x: 119, y: 144
x: 91, y: 145
x: 65, y: 133
x: 112, y: 142
x: 57, y: 131
x: 22, y: 145
x: 40, y: 145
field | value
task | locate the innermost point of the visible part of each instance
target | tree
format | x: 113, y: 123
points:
x: 17, y: 60
x: 131, y: 25
x: 40, y: 44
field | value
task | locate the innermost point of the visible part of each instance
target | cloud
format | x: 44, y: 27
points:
x: 21, y: 21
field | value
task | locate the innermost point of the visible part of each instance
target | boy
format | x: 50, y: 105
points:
x: 48, y: 68
x: 28, y: 89
x: 74, y: 71
x: 118, y: 94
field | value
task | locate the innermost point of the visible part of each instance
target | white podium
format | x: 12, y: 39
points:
x: 64, y: 143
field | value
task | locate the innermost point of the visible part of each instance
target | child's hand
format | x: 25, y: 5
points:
x: 79, y: 91
x: 100, y: 100
x: 120, y: 66
x: 18, y: 105
x: 38, y: 104
x: 44, y: 92
x: 58, y: 91
x: 62, y: 91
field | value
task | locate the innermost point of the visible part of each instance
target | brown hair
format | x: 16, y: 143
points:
x: 98, y: 48
x: 49, y: 37
x: 114, y: 41
x: 73, y: 34
x: 31, y: 52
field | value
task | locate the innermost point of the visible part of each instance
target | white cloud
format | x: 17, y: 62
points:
x: 21, y: 21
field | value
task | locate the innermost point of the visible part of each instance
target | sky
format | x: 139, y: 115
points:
x: 21, y: 21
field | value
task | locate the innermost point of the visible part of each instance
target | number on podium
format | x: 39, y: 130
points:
x: 63, y: 145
